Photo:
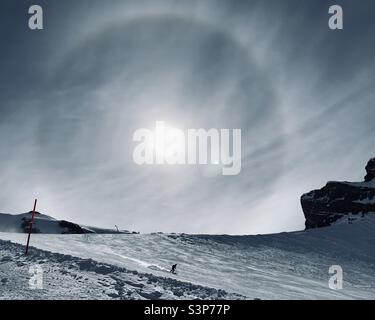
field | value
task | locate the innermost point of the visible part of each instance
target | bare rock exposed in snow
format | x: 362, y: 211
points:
x: 338, y: 199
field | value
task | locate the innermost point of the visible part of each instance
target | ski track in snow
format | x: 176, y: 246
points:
x: 279, y: 266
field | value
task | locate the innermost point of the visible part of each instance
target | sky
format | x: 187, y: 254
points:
x: 72, y: 95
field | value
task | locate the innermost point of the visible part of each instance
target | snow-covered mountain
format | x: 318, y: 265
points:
x: 136, y: 266
x: 20, y: 223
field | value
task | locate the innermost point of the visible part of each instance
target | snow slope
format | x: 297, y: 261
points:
x: 67, y: 277
x: 279, y: 266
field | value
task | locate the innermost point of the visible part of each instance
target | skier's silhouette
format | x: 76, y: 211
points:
x: 173, y: 270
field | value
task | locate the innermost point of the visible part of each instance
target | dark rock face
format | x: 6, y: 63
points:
x: 25, y: 226
x: 370, y: 169
x: 337, y: 199
x: 72, y: 228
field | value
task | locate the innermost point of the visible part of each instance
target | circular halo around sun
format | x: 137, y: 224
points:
x: 175, y: 68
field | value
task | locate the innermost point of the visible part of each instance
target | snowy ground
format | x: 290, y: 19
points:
x: 280, y: 266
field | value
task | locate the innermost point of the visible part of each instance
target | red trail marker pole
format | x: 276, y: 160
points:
x: 31, y: 227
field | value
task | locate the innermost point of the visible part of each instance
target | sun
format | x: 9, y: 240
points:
x: 166, y: 142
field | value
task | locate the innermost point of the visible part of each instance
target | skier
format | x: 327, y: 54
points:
x: 173, y: 270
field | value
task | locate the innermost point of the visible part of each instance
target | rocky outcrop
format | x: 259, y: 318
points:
x: 72, y: 228
x: 338, y: 199
x: 370, y: 169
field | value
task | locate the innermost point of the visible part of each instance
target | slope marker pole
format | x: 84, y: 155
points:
x: 31, y: 226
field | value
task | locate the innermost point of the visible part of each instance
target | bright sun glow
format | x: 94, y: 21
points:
x: 166, y: 141
x: 167, y: 145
